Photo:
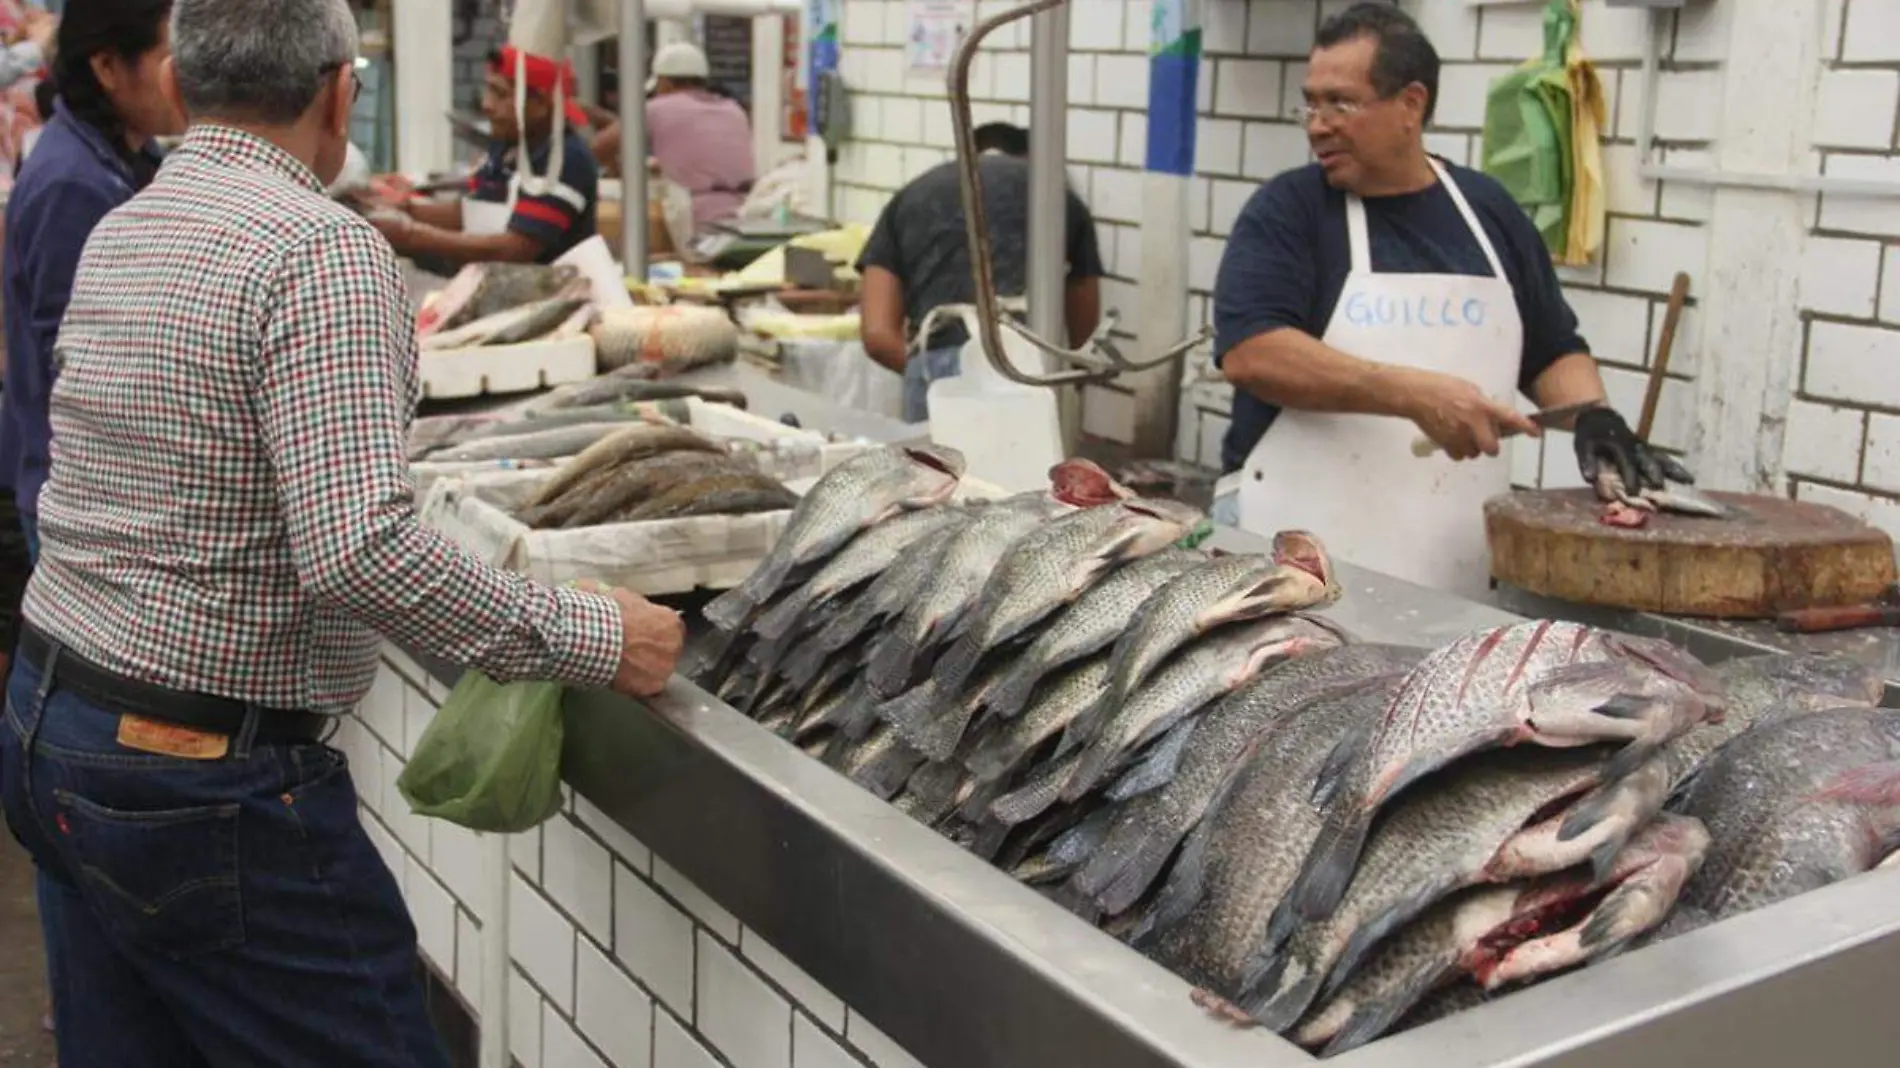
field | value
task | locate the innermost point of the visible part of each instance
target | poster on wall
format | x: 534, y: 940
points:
x: 937, y: 27
x: 791, y: 117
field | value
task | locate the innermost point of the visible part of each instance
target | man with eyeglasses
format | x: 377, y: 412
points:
x: 514, y: 212
x: 1380, y: 294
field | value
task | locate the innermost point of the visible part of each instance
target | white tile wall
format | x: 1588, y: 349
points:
x: 673, y: 1047
x: 654, y: 940
x: 1873, y: 32
x: 614, y: 1013
x: 562, y: 1046
x: 1854, y: 363
x: 743, y: 1017
x: 433, y: 911
x: 1823, y: 442
x: 624, y: 846
x: 883, y: 1052
x: 813, y: 1048
x: 1855, y: 108
x: 576, y: 873
x: 524, y: 1021
x: 541, y: 940
x: 468, y: 959
x: 1840, y: 276
x: 703, y: 908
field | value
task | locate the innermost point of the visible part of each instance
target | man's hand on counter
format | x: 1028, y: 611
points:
x: 651, y: 640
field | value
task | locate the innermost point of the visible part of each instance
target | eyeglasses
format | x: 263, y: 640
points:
x: 1334, y: 109
x: 356, y: 77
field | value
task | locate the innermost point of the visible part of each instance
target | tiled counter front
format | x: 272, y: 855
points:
x: 615, y: 959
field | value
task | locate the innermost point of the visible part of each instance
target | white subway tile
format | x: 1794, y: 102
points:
x: 1873, y: 32
x: 896, y: 23
x: 576, y: 872
x: 433, y: 912
x: 1839, y: 276
x: 460, y: 857
x: 1461, y: 93
x: 1281, y: 28
x: 631, y: 851
x: 404, y: 664
x: 804, y: 991
x: 1115, y: 194
x: 1615, y: 326
x: 885, y: 165
x: 1687, y: 201
x: 1223, y: 29
x: 1134, y: 140
x: 1138, y: 25
x: 1689, y: 108
x: 984, y: 113
x: 674, y: 1047
x: 1823, y: 441
x: 418, y: 710
x: 1204, y: 90
x: 385, y: 843
x: 904, y: 117
x: 1646, y: 254
x: 468, y: 960
x: 1120, y: 297
x: 1229, y: 198
x: 1453, y: 28
x: 383, y: 708
x: 701, y: 907
x: 1882, y: 512
x: 410, y: 829
x: 1527, y: 462
x: 982, y: 78
x: 813, y: 1048
x: 1091, y: 135
x: 1199, y: 195
x: 862, y: 22
x: 654, y: 940
x: 1611, y: 34
x: 524, y: 1021
x: 1624, y: 189
x: 1122, y: 81
x: 1249, y: 88
x: 1204, y: 255
x: 363, y: 756
x: 1095, y: 25
x: 561, y: 1047
x: 884, y: 70
x: 611, y: 1011
x: 1560, y: 461
x: 1702, y: 33
x: 1011, y: 73
x: 919, y: 160
x: 1855, y: 108
x: 541, y: 941
x: 1108, y: 414
x: 1217, y: 146
x: 876, y: 1045
x: 741, y: 1016
x: 1883, y: 455
x: 1128, y: 251
x: 1213, y: 432
x: 1271, y: 147
x: 524, y: 852
x: 1511, y: 32
x: 1455, y: 147
x: 1081, y: 79
x: 1862, y: 215
x: 1857, y: 364
x: 1890, y: 286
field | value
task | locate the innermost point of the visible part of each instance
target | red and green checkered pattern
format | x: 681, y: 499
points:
x: 229, y: 509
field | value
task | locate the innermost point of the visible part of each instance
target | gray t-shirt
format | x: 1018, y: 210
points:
x: 919, y: 238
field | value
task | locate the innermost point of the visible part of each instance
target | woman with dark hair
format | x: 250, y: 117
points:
x: 94, y: 153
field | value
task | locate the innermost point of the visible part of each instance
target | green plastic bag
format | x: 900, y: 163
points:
x: 491, y: 758
x: 1528, y: 129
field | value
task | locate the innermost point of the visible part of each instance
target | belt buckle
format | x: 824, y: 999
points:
x: 148, y: 735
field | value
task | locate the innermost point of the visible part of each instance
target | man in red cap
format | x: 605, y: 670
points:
x: 512, y: 214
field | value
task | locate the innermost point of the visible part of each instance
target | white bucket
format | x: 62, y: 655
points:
x: 1009, y: 433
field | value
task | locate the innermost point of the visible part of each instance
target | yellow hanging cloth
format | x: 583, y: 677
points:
x: 1589, y: 115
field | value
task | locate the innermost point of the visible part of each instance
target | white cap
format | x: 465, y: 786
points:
x: 681, y: 59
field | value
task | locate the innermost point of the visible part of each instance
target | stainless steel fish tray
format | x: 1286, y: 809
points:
x: 967, y: 968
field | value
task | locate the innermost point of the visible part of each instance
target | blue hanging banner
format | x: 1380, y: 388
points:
x: 821, y: 28
x: 1174, y: 66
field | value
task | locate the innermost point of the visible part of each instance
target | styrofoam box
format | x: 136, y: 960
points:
x: 471, y: 372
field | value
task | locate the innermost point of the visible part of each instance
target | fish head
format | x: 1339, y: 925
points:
x: 1300, y: 549
x: 1083, y: 483
x: 944, y: 459
x: 1676, y: 663
x: 1146, y: 526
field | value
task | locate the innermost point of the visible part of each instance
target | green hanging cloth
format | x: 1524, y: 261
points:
x: 1528, y: 127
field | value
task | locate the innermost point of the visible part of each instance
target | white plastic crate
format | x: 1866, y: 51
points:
x: 531, y: 365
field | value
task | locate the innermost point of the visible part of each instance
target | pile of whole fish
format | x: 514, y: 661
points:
x: 1328, y: 837
x: 646, y: 471
x: 562, y: 421
x: 506, y: 304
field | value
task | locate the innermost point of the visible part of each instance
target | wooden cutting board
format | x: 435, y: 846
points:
x: 1772, y: 555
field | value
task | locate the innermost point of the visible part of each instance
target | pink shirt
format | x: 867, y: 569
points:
x: 704, y: 143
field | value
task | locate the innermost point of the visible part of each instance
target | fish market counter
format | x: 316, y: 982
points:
x: 711, y: 895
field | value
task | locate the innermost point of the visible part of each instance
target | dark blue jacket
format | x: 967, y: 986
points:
x: 69, y: 183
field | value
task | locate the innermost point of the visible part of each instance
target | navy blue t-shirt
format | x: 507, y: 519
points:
x: 558, y: 220
x: 1286, y: 264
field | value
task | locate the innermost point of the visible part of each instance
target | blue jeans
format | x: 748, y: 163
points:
x: 206, y: 913
x: 920, y: 371
x: 30, y: 526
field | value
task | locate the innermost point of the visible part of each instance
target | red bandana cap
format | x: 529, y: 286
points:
x: 543, y: 75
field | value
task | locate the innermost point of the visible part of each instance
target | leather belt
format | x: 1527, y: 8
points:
x: 113, y: 692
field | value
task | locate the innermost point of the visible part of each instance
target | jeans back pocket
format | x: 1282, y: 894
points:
x: 165, y: 880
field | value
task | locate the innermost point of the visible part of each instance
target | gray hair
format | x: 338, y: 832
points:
x: 260, y: 60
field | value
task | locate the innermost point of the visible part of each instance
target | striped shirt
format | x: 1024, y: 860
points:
x: 229, y: 509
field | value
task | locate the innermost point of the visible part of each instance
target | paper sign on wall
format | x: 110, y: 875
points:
x: 937, y: 27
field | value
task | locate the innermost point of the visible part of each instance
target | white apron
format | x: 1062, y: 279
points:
x: 1352, y: 479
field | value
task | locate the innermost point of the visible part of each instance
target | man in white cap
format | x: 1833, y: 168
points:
x: 700, y: 138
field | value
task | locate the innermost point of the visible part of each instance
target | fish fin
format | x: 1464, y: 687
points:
x: 1375, y: 1016
x: 1633, y: 755
x: 892, y: 667
x: 909, y: 712
x: 1603, y: 860
x: 1138, y: 870
x: 1034, y: 797
x: 803, y: 664
x: 729, y: 610
x: 938, y: 734
x: 859, y: 713
x: 1186, y: 885
x: 1631, y: 706
x: 952, y: 671
x: 1869, y: 784
x: 1585, y: 814
x: 1011, y: 694
x: 1327, y: 873
x: 1158, y: 765
x: 1281, y: 1009
x: 782, y: 617
x: 1092, y: 764
x: 1334, y: 771
x: 1088, y: 722
x: 886, y: 773
x: 1371, y: 933
x: 989, y: 840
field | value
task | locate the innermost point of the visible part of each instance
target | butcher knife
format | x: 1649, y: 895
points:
x: 1884, y: 611
x: 1549, y: 417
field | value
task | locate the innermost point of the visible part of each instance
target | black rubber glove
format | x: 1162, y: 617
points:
x: 1603, y: 437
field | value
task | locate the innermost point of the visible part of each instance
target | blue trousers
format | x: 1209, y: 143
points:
x: 227, y: 912
x: 920, y: 371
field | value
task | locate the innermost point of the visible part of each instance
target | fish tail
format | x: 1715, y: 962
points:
x: 1375, y: 1016
x: 1279, y: 1003
x: 1586, y: 814
x: 890, y: 671
x: 729, y: 610
x: 953, y: 668
x: 887, y: 772
x: 1371, y: 933
x: 859, y: 712
x: 1088, y: 722
x: 1034, y: 797
x: 803, y: 664
x: 909, y: 713
x: 1138, y: 871
x: 1011, y: 693
x: 784, y: 616
x: 1089, y: 770
x: 1327, y: 872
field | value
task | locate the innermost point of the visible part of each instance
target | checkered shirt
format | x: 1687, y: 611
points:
x: 229, y: 509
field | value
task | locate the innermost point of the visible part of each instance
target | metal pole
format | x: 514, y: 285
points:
x: 1045, y: 275
x: 633, y: 138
